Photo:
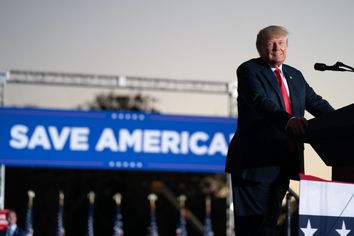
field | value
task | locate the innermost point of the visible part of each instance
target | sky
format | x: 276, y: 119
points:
x: 194, y: 40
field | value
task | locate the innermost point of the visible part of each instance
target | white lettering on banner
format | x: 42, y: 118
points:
x: 40, y: 138
x: 169, y: 142
x: 184, y: 142
x: 107, y: 140
x: 79, y: 139
x: 152, y: 141
x: 59, y: 139
x: 122, y: 140
x: 19, y: 139
x: 218, y: 144
x: 195, y: 140
x: 128, y: 140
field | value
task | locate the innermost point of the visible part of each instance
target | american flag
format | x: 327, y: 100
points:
x: 181, y: 226
x: 152, y: 230
x: 29, y: 219
x: 208, y: 229
x: 181, y: 229
x: 118, y: 223
x: 60, y: 215
x: 91, y: 211
x: 326, y: 207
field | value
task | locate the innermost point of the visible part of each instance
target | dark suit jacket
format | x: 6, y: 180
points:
x: 18, y: 232
x: 259, y: 148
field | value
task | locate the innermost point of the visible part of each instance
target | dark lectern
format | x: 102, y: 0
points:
x: 332, y: 137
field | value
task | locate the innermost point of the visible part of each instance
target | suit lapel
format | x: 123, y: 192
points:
x: 272, y: 80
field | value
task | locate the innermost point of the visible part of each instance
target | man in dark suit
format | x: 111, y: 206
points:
x: 264, y: 153
x: 12, y: 229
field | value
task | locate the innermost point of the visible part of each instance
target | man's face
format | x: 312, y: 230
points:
x: 12, y: 218
x: 274, y: 50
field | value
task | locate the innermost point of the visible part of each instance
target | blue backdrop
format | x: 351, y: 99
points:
x: 113, y: 140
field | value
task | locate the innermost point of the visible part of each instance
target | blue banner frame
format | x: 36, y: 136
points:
x: 113, y: 140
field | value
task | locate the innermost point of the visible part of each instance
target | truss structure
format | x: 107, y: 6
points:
x: 118, y: 81
x: 128, y: 82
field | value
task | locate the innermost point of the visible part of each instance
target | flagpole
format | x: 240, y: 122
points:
x: 208, y: 229
x: 153, y: 230
x: 118, y: 224
x: 3, y: 77
x: 2, y: 187
x: 29, y: 220
x: 181, y: 229
x: 230, y: 225
x: 90, y: 219
x: 61, y: 228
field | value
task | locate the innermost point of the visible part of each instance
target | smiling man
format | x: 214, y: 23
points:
x: 264, y: 154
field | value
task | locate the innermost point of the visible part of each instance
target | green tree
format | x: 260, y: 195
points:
x: 113, y: 101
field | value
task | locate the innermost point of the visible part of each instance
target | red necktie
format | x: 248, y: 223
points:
x: 283, y: 90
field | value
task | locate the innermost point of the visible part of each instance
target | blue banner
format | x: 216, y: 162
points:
x: 113, y: 140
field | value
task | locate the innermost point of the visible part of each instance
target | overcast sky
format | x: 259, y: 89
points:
x: 195, y: 40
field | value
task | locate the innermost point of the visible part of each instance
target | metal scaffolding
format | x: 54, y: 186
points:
x: 127, y: 82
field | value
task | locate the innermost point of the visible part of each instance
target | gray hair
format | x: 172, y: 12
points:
x: 268, y: 32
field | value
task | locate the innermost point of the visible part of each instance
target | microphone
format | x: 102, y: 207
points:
x: 323, y: 67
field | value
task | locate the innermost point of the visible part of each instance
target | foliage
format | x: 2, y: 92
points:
x: 113, y: 101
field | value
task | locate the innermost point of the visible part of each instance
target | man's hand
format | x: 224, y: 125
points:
x: 296, y: 126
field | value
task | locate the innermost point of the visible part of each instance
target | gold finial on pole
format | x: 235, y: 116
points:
x: 91, y: 196
x: 61, y: 198
x: 31, y: 195
x: 118, y: 198
x: 182, y: 200
x: 152, y: 199
x: 182, y: 204
x: 208, y: 204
